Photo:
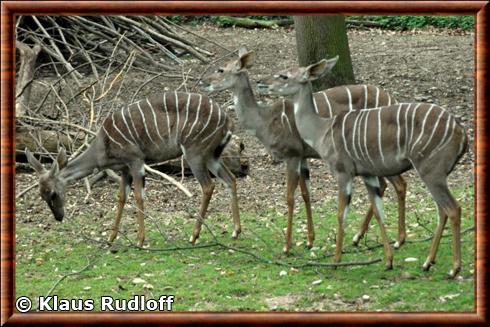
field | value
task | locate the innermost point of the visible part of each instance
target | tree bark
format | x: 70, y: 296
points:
x: 319, y: 37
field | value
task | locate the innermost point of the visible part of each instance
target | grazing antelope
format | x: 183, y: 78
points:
x: 158, y: 128
x: 382, y: 141
x: 275, y: 127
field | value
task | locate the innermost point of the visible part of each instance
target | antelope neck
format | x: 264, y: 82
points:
x: 308, y: 122
x: 250, y: 114
x: 82, y: 166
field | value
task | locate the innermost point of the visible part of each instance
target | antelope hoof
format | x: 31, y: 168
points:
x: 235, y: 234
x: 285, y: 249
x: 426, y: 266
x: 193, y: 239
x: 399, y: 243
x: 141, y: 241
x: 356, y: 239
x: 389, y: 265
x: 454, y: 272
x: 112, y: 238
x: 309, y: 245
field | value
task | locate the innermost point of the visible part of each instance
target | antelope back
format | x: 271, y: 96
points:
x: 159, y: 126
x: 399, y: 136
x: 336, y: 100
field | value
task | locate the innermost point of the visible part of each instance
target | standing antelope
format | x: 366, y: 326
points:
x: 275, y: 127
x: 383, y: 141
x: 158, y: 128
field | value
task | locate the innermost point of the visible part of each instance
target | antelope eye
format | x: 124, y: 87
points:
x: 283, y: 76
x: 53, y: 196
x: 220, y: 70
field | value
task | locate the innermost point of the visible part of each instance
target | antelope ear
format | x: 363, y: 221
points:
x: 38, y: 167
x: 320, y: 68
x: 54, y: 169
x: 246, y: 60
x: 62, y: 158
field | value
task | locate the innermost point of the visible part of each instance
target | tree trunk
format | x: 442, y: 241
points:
x: 319, y: 37
x: 28, y: 58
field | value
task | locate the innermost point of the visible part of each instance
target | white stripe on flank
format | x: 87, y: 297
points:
x: 283, y: 115
x: 414, y: 113
x: 186, y: 114
x: 389, y: 99
x: 197, y: 117
x: 379, y: 137
x: 359, y: 133
x: 132, y: 123
x: 154, y: 119
x: 144, y: 123
x: 433, y: 131
x: 441, y: 145
x: 398, y: 128
x: 178, y: 118
x: 365, y: 96
x: 314, y: 104
x: 110, y: 138
x: 331, y: 134
x: 218, y: 127
x: 422, y: 130
x: 119, y: 131
x: 406, y: 129
x: 328, y: 104
x: 349, y: 95
x: 205, y: 127
x: 365, y: 137
x: 377, y: 97
x: 358, y: 115
x: 343, y: 134
x: 444, y: 137
x: 209, y: 119
x: 166, y: 112
x: 127, y: 126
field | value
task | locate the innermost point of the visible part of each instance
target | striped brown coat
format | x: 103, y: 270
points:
x: 158, y: 128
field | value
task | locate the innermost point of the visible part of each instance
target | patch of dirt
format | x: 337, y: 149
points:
x: 283, y: 302
x: 434, y: 66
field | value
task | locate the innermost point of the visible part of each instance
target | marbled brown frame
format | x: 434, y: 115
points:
x: 9, y: 9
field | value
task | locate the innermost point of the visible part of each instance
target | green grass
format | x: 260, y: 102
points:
x: 410, y: 22
x: 219, y: 279
x: 394, y: 22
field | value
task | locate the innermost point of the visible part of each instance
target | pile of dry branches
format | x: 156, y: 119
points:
x: 74, y: 46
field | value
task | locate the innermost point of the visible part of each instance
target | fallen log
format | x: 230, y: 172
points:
x: 226, y: 21
x: 231, y: 156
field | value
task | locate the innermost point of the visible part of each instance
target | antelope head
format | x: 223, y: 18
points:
x: 51, y: 186
x: 288, y: 82
x: 227, y: 76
